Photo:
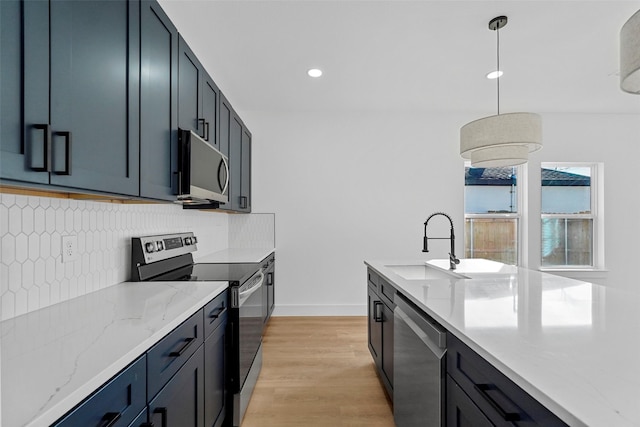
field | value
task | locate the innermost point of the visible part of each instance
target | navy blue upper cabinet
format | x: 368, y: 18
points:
x: 210, y: 102
x: 73, y: 120
x: 235, y: 142
x: 22, y: 138
x: 245, y: 182
x: 158, y: 103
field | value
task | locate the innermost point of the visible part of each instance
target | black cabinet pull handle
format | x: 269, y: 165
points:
x: 204, y: 134
x: 163, y: 415
x: 46, y: 149
x: 206, y: 127
x: 186, y: 345
x: 269, y: 279
x: 219, y: 313
x: 377, y: 312
x: 243, y: 202
x: 483, y: 389
x: 67, y: 153
x: 109, y: 419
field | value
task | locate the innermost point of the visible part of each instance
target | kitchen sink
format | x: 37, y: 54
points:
x: 422, y: 272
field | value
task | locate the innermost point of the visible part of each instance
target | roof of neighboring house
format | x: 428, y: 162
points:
x: 504, y: 176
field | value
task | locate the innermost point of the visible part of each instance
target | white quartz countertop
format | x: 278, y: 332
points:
x: 573, y: 346
x: 51, y: 359
x: 235, y: 255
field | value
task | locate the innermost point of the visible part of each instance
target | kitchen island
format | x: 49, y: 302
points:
x: 571, y: 345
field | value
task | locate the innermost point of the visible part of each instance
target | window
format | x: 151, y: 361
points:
x: 492, y: 213
x: 568, y: 215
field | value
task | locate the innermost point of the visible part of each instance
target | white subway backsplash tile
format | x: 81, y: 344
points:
x: 256, y: 230
x: 32, y: 274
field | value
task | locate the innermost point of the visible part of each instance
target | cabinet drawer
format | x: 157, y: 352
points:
x: 372, y: 279
x: 168, y: 355
x: 215, y: 313
x: 501, y: 400
x: 116, y: 404
x: 388, y: 293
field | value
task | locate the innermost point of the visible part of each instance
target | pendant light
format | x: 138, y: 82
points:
x: 503, y: 139
x: 630, y: 55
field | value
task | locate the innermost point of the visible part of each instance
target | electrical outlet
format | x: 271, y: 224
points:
x: 69, y: 248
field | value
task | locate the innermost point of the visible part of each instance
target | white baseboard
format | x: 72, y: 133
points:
x: 320, y: 310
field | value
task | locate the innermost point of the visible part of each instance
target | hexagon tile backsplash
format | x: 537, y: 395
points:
x: 32, y: 274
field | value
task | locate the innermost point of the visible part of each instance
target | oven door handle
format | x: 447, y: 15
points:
x: 246, y: 293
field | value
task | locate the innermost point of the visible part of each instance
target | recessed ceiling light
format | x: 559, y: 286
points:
x: 494, y: 74
x: 314, y: 72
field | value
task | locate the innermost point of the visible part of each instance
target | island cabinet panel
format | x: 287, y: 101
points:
x: 115, y: 404
x: 495, y: 395
x: 380, y: 327
x: 158, y: 103
x: 181, y: 402
x: 461, y: 411
x: 70, y: 94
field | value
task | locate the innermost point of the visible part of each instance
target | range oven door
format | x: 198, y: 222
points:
x: 249, y: 322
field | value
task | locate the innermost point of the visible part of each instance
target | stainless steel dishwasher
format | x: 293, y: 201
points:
x: 419, y: 348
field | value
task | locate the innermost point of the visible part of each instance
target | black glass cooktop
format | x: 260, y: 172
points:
x: 209, y: 272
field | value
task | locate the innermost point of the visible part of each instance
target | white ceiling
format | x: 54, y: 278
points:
x: 432, y: 56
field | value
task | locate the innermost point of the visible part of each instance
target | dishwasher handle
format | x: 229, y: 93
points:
x: 430, y: 332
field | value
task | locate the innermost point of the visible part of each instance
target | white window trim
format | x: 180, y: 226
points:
x: 597, y: 215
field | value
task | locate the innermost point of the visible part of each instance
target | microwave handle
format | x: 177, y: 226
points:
x: 226, y: 184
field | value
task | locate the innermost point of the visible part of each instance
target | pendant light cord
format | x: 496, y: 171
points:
x: 498, y: 67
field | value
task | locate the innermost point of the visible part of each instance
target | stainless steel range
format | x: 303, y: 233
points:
x: 169, y: 257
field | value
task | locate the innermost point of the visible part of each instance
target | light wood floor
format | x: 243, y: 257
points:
x: 317, y: 371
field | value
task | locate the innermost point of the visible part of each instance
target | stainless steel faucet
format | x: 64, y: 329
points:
x: 453, y: 261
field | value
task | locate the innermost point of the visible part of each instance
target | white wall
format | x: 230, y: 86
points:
x: 349, y: 187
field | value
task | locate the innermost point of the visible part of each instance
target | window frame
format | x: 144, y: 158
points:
x: 520, y: 215
x: 596, y: 217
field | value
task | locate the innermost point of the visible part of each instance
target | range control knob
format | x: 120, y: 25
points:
x: 194, y: 240
x: 187, y: 241
x: 150, y: 247
x: 160, y: 245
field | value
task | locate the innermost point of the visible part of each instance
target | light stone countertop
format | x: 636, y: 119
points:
x: 572, y: 345
x: 51, y: 359
x: 235, y: 255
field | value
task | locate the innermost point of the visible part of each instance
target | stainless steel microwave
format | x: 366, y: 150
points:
x: 203, y: 171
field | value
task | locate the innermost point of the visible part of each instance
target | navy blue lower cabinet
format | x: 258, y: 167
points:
x: 181, y: 402
x: 501, y: 401
x: 116, y: 404
x: 215, y: 366
x: 461, y: 411
x: 141, y: 419
x: 166, y: 357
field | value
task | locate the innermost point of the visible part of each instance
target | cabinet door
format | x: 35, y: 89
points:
x: 181, y: 402
x: 189, y: 88
x: 461, y: 411
x: 215, y: 366
x: 210, y: 102
x: 24, y: 84
x: 387, y: 342
x: 375, y: 325
x: 235, y: 161
x: 225, y: 139
x: 158, y: 103
x: 245, y: 172
x: 94, y: 95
